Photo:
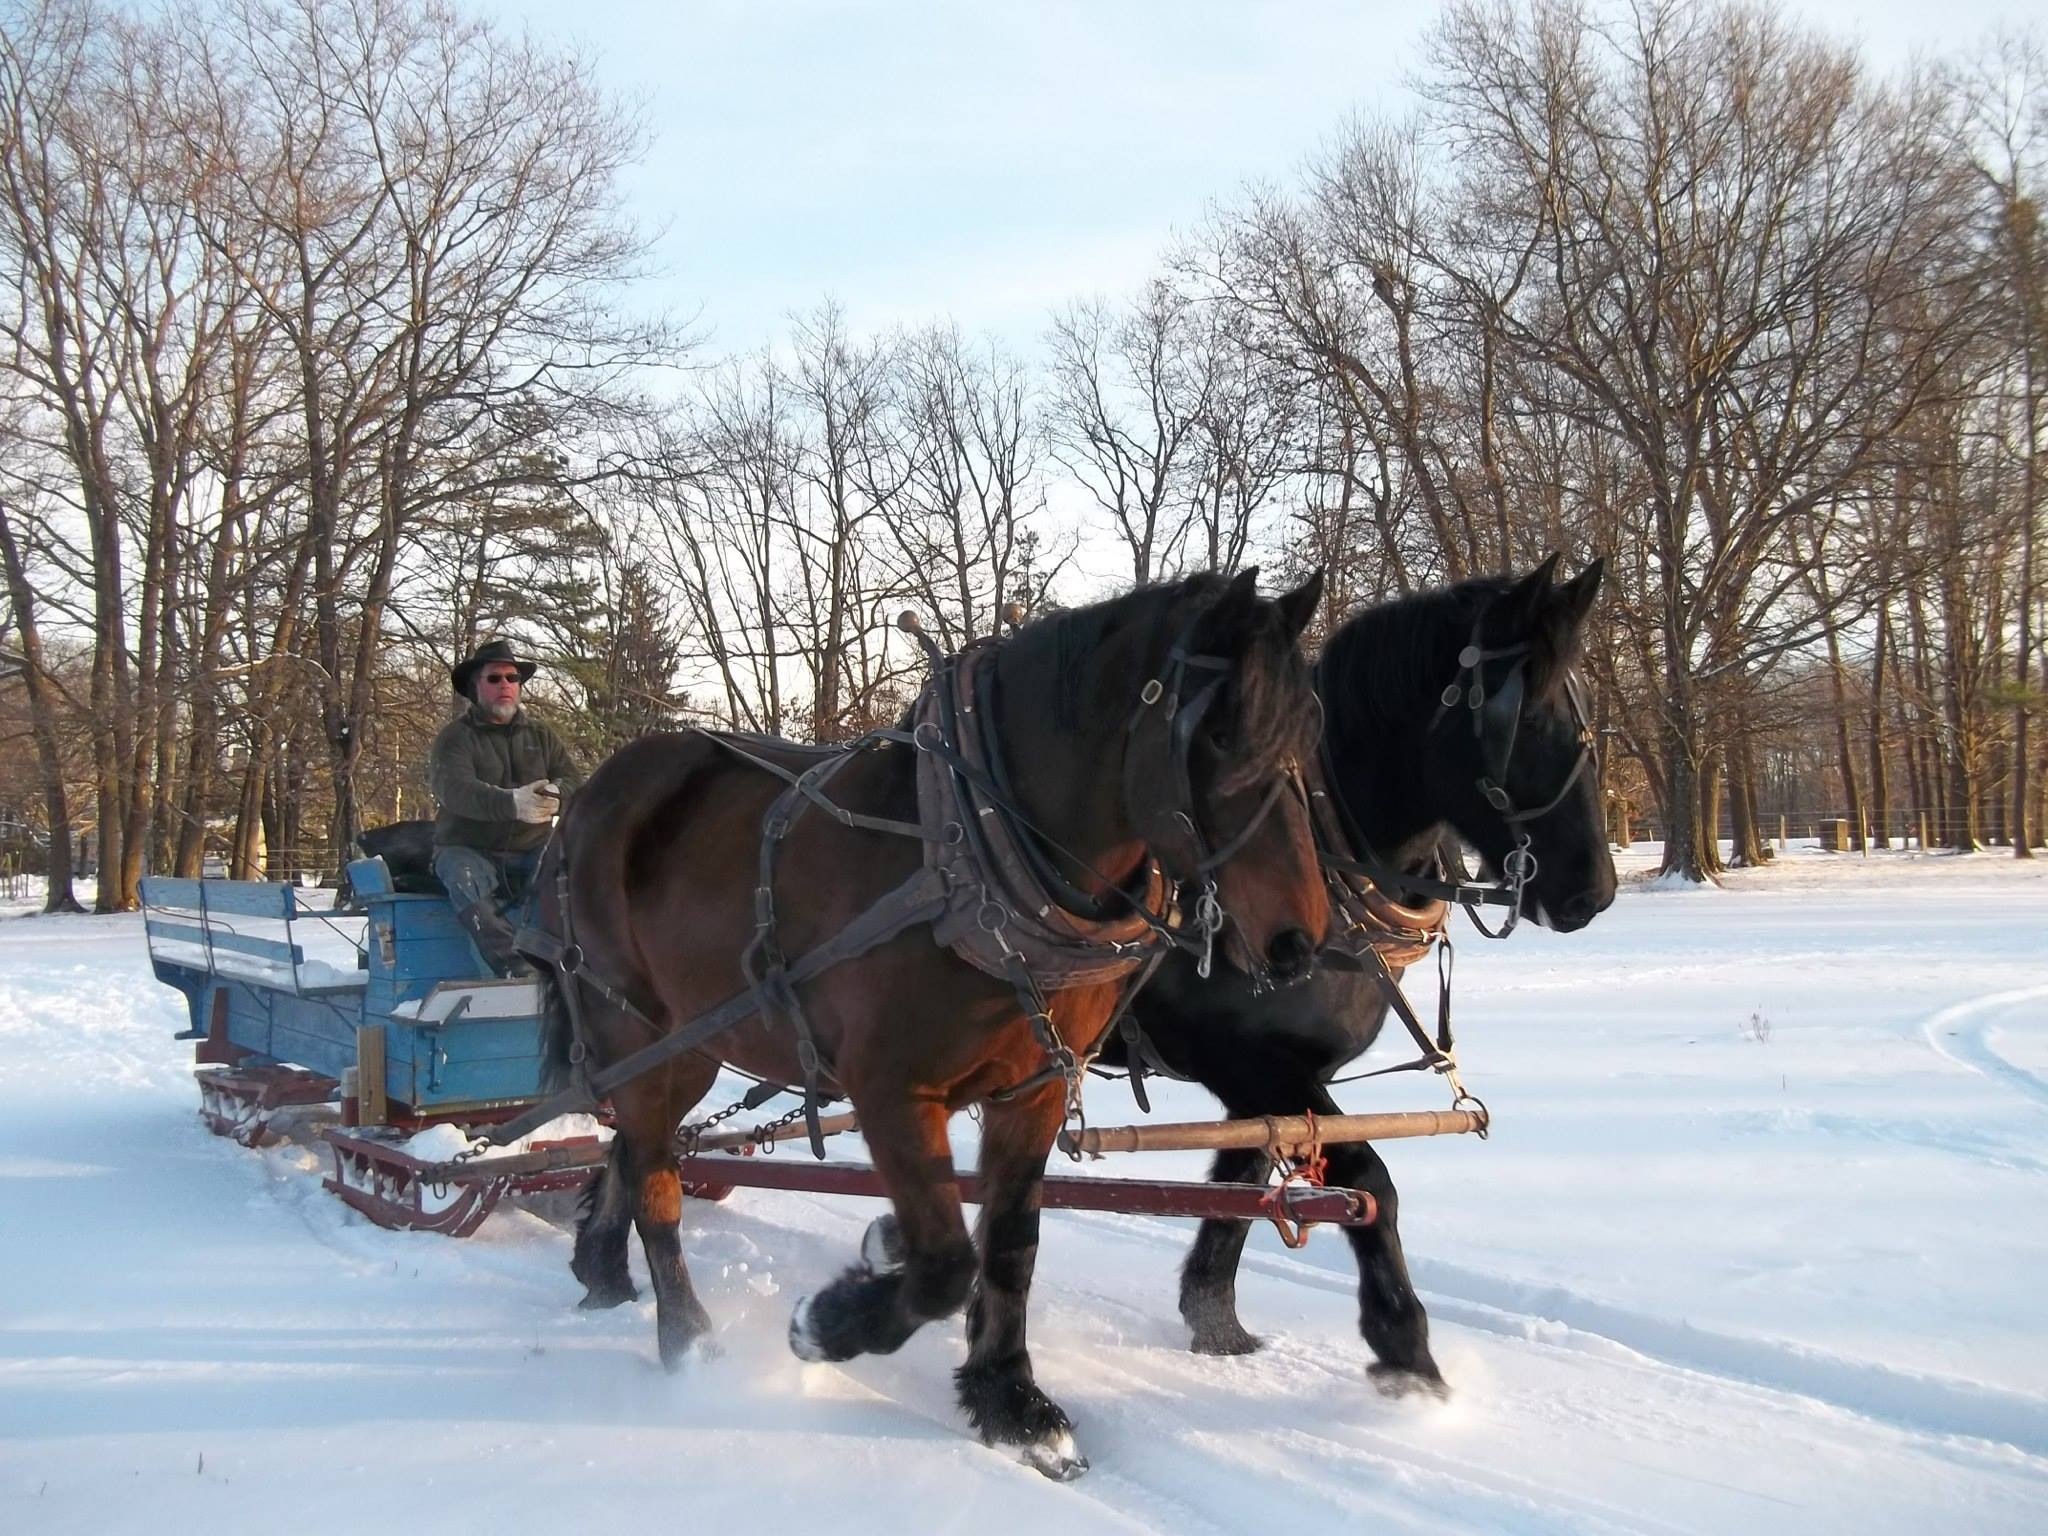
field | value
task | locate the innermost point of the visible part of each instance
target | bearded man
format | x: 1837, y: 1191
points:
x: 499, y: 776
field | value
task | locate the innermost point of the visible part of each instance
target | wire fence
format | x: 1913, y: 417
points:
x: 1837, y: 830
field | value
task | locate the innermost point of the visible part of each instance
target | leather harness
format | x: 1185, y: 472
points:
x: 985, y: 886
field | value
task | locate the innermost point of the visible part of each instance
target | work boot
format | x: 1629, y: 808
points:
x: 492, y: 935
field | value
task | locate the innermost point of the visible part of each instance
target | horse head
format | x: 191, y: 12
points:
x: 1464, y: 708
x: 1212, y: 770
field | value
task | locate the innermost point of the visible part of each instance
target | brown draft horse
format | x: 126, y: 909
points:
x: 663, y: 852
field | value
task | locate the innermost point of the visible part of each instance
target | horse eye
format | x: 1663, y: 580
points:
x: 1219, y: 737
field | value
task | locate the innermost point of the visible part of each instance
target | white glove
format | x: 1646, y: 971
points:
x: 536, y: 802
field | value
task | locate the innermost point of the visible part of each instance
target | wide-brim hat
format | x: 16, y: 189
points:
x: 464, y: 672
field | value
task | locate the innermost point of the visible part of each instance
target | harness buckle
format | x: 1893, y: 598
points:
x: 1209, y: 920
x: 571, y: 960
x: 1152, y: 692
x: 1520, y: 864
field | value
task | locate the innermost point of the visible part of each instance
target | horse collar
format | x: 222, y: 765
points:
x: 1008, y: 900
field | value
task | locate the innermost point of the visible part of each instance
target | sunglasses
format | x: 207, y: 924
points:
x: 501, y: 677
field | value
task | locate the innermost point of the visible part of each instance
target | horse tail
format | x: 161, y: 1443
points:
x: 623, y: 811
x: 557, y: 1032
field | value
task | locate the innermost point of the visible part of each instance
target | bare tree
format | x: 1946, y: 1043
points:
x: 444, y: 194
x: 965, y: 456
x: 1126, y: 390
x: 2006, y: 91
x: 1724, y: 251
x: 44, y: 704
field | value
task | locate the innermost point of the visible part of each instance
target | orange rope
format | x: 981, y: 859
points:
x: 1309, y: 1168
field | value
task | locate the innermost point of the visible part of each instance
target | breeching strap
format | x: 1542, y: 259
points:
x: 918, y: 899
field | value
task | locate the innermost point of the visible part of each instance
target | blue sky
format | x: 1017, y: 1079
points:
x: 987, y: 162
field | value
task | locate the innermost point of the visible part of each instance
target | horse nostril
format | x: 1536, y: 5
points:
x: 1290, y: 954
x: 1580, y: 910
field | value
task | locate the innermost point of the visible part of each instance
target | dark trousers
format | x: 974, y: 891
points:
x: 496, y: 879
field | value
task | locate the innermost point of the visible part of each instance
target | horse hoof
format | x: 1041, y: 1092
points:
x: 803, y: 1342
x: 698, y: 1349
x: 603, y: 1298
x: 682, y: 1341
x: 1399, y: 1381
x: 1056, y: 1456
x: 882, y: 1248
x: 1233, y: 1340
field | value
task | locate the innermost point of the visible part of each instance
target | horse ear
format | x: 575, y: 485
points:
x: 1238, y: 599
x: 1575, y: 598
x: 1525, y: 602
x: 1299, y: 606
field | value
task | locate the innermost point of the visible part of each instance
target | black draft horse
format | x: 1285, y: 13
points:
x: 1406, y: 766
x: 663, y: 848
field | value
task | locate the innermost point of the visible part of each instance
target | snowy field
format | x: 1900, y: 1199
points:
x: 1758, y: 1245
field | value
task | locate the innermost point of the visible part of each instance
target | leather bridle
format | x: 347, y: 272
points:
x: 1496, y: 717
x: 1171, y: 709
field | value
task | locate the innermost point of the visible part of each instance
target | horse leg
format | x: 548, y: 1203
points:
x: 1208, y: 1276
x: 647, y: 1114
x: 599, y: 1259
x: 1390, y: 1315
x: 996, y: 1387
x: 929, y: 1267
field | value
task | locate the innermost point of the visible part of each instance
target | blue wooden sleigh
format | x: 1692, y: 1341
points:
x: 404, y: 1008
x: 387, y: 1010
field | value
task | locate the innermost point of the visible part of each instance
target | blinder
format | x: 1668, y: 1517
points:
x: 1497, y: 722
x: 1171, y: 710
x: 1171, y: 827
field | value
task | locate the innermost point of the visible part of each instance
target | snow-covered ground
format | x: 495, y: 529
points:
x: 1758, y: 1244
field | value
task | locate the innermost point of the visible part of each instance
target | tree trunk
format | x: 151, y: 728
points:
x: 1959, y: 821
x: 1686, y: 853
x: 1880, y: 783
x: 1710, y: 812
x: 1934, y: 783
x: 245, y: 861
x: 1845, y: 758
x: 42, y: 708
x: 1752, y: 846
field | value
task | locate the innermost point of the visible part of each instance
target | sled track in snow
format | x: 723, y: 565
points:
x: 1549, y: 1317
x: 1558, y: 1318
x: 1963, y: 1034
x: 1175, y: 1436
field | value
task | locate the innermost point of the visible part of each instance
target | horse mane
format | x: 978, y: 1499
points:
x: 1389, y: 661
x: 1386, y: 664
x: 1271, y: 701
